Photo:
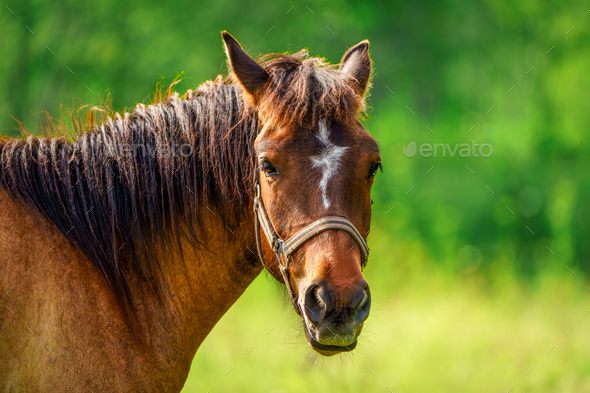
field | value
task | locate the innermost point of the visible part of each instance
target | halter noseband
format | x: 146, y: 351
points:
x: 289, y: 246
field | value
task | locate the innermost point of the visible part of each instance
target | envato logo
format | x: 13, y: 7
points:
x: 464, y: 150
x: 164, y: 150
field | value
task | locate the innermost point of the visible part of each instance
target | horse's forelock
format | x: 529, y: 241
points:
x: 303, y: 89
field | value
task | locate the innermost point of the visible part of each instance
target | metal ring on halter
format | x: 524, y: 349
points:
x: 280, y: 251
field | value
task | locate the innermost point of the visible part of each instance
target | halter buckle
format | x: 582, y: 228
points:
x: 281, y: 250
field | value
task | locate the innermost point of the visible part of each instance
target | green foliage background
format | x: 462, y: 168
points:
x: 496, y: 227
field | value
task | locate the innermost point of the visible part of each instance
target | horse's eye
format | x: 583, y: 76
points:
x: 268, y: 168
x: 374, y: 168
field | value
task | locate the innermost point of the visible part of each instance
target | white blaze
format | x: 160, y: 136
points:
x: 328, y: 161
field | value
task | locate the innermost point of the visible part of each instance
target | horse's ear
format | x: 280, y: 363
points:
x: 249, y: 74
x: 357, y: 63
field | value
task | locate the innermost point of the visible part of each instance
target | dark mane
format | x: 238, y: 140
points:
x: 126, y: 186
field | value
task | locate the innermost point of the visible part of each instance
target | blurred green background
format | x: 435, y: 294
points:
x: 479, y: 265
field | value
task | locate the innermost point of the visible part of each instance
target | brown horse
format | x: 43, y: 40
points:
x: 121, y: 250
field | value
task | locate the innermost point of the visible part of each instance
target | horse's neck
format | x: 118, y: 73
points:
x: 199, y: 288
x: 201, y: 284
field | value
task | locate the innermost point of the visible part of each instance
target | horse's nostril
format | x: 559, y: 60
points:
x: 316, y: 304
x: 358, y: 298
x: 363, y: 306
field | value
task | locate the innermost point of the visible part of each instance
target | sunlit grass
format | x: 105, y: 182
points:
x: 435, y: 333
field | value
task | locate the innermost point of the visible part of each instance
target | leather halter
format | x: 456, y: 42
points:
x: 289, y: 246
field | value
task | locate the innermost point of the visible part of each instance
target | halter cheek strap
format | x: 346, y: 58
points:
x: 288, y: 247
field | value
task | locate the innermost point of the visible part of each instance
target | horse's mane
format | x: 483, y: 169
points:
x: 117, y: 191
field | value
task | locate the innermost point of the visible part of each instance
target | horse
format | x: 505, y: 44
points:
x: 123, y: 246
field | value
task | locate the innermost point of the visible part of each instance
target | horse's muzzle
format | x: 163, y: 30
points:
x: 334, y: 319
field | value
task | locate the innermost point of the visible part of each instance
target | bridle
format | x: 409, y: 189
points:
x: 289, y: 246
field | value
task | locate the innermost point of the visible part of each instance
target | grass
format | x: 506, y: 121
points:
x: 434, y: 333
